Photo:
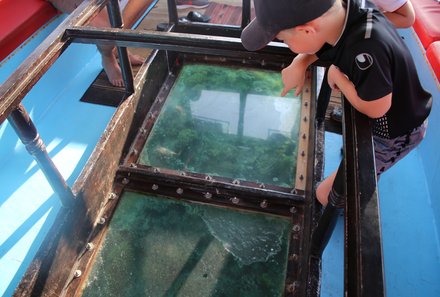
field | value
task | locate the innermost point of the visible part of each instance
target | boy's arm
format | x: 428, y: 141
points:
x: 402, y: 17
x: 373, y: 109
x: 293, y: 76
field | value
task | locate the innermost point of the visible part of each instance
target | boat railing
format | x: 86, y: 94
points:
x: 356, y: 178
x: 363, y: 244
x: 364, y: 270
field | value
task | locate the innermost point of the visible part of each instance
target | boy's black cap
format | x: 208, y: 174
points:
x: 273, y: 16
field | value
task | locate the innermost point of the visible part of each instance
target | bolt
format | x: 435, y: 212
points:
x: 154, y: 187
x: 293, y: 257
x: 90, y: 246
x: 235, y: 200
x: 263, y: 204
x: 290, y: 288
x: 179, y: 191
x: 77, y: 273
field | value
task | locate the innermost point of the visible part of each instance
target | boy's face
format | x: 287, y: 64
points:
x: 301, y: 39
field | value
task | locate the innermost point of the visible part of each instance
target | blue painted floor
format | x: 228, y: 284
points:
x: 28, y: 205
x: 410, y: 243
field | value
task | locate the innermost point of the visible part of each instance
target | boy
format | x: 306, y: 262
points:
x: 371, y: 66
x: 401, y: 14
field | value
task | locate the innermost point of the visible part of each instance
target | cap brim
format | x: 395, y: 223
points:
x: 255, y: 36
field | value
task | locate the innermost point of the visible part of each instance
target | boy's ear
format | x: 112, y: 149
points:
x: 308, y: 28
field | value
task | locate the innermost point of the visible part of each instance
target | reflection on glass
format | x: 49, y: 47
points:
x: 227, y: 122
x: 161, y: 247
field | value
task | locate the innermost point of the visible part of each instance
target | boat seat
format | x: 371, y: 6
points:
x: 427, y: 23
x: 19, y: 19
x: 433, y: 55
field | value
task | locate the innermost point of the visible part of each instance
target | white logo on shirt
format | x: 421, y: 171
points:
x: 364, y: 61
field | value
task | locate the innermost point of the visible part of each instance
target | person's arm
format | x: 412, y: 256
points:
x: 402, y: 17
x: 373, y: 109
x: 293, y: 76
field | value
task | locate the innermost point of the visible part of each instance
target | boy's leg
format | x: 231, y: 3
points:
x: 388, y: 151
x: 131, y: 12
x: 324, y: 188
x: 331, y: 189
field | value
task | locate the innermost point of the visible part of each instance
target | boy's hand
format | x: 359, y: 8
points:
x: 293, y: 76
x: 372, y: 108
x: 334, y: 76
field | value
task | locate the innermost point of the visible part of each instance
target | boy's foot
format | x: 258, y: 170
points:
x: 183, y: 4
x: 113, y: 70
x: 135, y: 59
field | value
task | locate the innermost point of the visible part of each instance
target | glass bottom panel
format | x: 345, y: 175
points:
x: 163, y: 247
x: 230, y: 122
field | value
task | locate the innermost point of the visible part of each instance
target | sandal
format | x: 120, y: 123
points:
x: 195, y: 16
x: 336, y: 114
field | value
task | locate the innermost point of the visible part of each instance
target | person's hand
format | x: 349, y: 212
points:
x: 293, y: 76
x: 334, y: 77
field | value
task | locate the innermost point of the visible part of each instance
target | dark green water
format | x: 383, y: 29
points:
x: 162, y: 247
x: 229, y: 122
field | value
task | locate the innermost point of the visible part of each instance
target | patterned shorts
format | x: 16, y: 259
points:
x: 389, y: 151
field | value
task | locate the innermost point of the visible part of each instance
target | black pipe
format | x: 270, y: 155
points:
x: 26, y: 131
x: 115, y: 17
x: 245, y: 13
x: 180, y: 42
x: 172, y: 12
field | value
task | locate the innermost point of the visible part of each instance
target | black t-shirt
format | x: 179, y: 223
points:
x: 375, y: 58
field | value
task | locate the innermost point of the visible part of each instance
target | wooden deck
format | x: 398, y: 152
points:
x: 332, y: 125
